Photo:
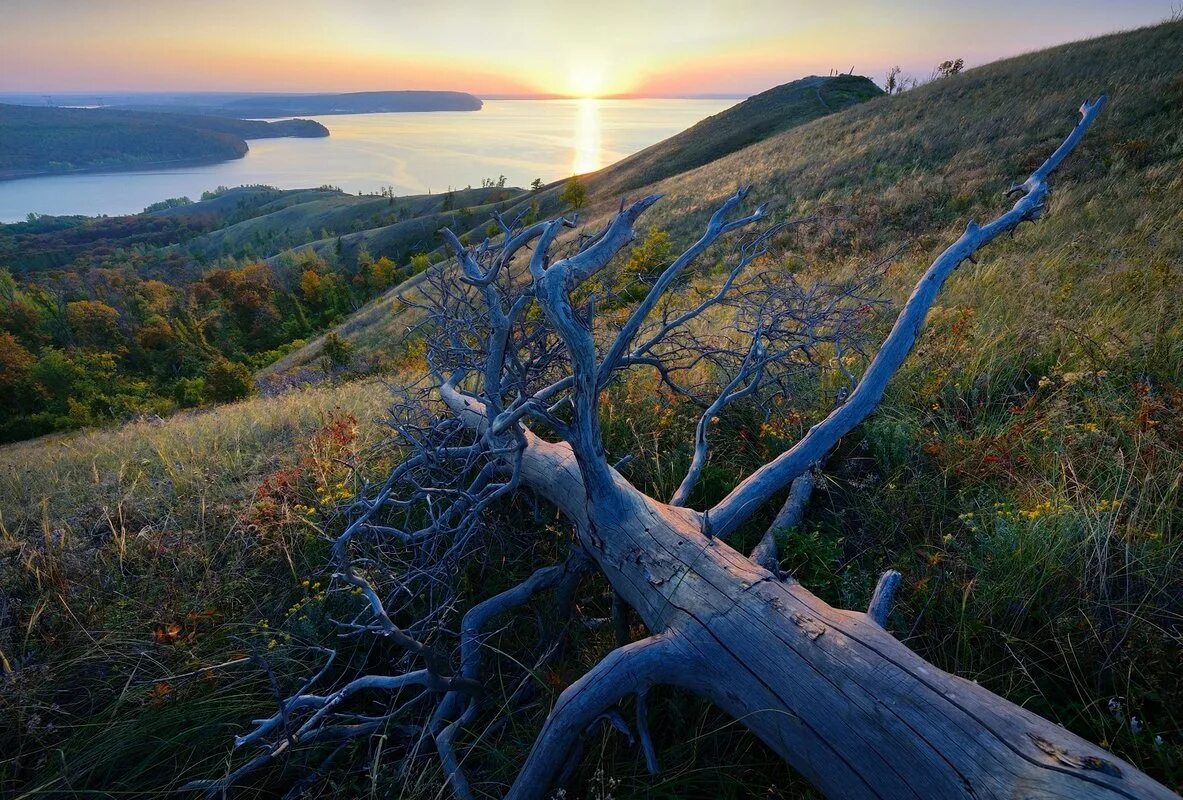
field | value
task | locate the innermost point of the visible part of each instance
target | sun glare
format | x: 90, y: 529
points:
x: 588, y: 156
x: 586, y: 80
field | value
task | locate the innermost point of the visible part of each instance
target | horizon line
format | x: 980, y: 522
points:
x: 100, y: 93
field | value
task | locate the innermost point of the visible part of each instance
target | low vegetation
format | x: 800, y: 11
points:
x: 110, y: 318
x: 1023, y: 472
x: 149, y: 346
x: 135, y: 561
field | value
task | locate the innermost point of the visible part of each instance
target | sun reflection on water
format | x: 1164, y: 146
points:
x: 588, y: 156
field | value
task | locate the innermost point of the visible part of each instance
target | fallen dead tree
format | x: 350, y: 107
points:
x: 516, y: 353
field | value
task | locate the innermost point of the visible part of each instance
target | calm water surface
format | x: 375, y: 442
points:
x: 414, y: 153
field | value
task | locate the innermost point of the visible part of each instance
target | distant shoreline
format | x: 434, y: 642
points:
x: 42, y: 142
x: 374, y: 151
x: 7, y: 176
x: 262, y: 106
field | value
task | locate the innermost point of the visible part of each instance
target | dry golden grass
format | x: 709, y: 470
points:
x: 130, y: 556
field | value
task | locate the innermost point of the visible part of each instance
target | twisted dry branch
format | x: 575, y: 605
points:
x: 518, y: 361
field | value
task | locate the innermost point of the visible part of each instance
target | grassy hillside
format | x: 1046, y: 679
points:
x: 124, y: 534
x: 910, y: 169
x: 755, y: 119
x: 35, y: 140
x: 1023, y: 472
x: 141, y: 567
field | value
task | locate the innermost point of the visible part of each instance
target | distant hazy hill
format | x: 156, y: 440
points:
x: 283, y: 105
x: 37, y: 140
x: 352, y: 103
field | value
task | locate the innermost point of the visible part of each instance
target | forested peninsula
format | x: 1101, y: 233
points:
x: 50, y: 140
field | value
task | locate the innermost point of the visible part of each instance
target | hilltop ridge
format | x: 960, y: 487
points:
x: 766, y: 114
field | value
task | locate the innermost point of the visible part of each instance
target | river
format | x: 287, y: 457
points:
x: 413, y: 152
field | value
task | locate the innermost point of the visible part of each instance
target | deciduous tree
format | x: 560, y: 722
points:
x: 574, y: 194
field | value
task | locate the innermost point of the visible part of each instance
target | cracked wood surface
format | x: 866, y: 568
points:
x: 830, y: 691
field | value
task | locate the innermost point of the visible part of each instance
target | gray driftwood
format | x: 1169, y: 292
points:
x: 830, y: 691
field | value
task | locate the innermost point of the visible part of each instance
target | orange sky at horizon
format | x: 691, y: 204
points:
x: 661, y: 47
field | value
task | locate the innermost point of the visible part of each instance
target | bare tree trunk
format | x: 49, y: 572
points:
x: 829, y: 690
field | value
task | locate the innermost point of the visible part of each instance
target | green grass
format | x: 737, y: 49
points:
x: 110, y: 537
x: 1023, y: 472
x: 755, y: 119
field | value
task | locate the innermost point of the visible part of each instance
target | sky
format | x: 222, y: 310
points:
x: 590, y: 48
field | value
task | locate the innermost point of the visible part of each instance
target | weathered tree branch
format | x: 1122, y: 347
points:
x: 880, y: 606
x: 448, y: 718
x: 828, y: 690
x: 789, y: 517
x: 758, y: 487
x: 627, y: 670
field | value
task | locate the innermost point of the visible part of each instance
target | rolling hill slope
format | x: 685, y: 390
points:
x: 906, y: 168
x: 1022, y: 472
x: 755, y: 119
x: 395, y: 226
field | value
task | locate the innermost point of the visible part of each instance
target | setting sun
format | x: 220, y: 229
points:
x: 586, y: 79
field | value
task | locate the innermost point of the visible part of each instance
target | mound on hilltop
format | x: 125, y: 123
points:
x: 763, y: 115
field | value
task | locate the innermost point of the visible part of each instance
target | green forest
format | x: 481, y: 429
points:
x: 133, y: 325
x: 45, y: 140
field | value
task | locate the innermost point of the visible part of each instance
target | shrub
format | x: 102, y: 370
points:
x: 92, y: 322
x: 650, y: 256
x: 336, y: 350
x: 15, y: 363
x: 189, y: 392
x: 419, y: 262
x: 226, y: 381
